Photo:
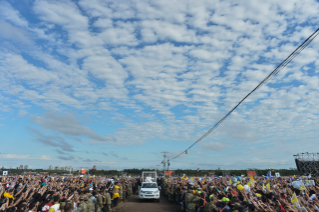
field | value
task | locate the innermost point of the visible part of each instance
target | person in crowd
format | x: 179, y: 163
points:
x: 197, y: 194
x: 61, y: 193
x: 249, y: 194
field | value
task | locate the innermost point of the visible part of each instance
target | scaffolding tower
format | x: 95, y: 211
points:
x: 307, y: 163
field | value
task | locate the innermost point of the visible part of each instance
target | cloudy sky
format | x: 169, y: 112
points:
x: 115, y: 83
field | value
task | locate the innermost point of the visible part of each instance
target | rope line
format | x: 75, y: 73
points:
x: 282, y: 65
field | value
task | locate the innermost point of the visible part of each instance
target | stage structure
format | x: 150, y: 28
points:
x: 307, y: 163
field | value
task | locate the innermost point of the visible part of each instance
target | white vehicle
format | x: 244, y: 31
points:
x: 149, y: 190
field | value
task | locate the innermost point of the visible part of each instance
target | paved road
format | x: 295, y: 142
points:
x: 133, y: 204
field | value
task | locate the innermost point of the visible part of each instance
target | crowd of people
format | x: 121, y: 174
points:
x: 64, y: 193
x: 243, y: 194
x: 194, y: 194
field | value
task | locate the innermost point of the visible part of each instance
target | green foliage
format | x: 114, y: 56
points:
x: 189, y: 172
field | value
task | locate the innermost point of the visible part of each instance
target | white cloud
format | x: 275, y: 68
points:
x: 25, y: 157
x: 66, y: 124
x: 22, y: 113
x: 215, y: 146
x: 15, y: 34
x: 7, y: 12
x: 163, y: 72
x: 63, y: 13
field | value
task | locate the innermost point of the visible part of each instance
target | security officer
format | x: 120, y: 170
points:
x: 211, y: 206
x: 190, y: 204
x: 99, y: 201
x: 89, y: 203
x: 82, y: 207
x: 129, y: 189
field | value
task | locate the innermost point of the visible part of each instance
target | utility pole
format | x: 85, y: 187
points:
x: 164, y: 163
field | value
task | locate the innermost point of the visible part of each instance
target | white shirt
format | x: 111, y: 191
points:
x: 56, y: 207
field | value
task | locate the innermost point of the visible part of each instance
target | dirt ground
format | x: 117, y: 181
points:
x: 133, y: 204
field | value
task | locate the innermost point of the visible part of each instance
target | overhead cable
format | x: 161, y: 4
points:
x: 269, y: 77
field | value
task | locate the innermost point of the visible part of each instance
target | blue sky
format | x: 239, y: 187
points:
x: 114, y: 83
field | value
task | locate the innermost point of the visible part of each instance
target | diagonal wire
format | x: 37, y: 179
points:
x: 282, y: 65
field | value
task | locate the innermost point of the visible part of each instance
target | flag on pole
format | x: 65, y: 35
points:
x: 294, y: 200
x: 268, y: 186
x: 269, y: 174
x: 198, y: 170
x: 264, y: 188
x: 252, y: 183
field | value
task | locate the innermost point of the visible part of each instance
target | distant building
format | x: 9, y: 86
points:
x: 26, y: 167
x: 56, y: 168
x: 51, y: 167
x: 63, y: 168
x: 94, y: 167
x: 21, y: 166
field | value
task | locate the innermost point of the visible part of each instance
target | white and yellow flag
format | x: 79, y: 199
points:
x: 294, y: 200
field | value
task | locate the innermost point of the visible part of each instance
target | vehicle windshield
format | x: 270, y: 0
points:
x: 149, y: 185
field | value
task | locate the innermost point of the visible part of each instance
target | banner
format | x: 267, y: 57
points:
x: 277, y: 174
x: 169, y: 173
x: 251, y: 173
x: 310, y: 182
x: 4, y: 173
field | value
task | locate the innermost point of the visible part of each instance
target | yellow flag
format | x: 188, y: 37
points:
x: 303, y: 176
x: 192, y: 179
x: 252, y: 178
x: 186, y: 178
x: 264, y: 188
x: 294, y: 200
x: 252, y: 183
x: 231, y: 182
x: 294, y: 176
x: 268, y: 186
x: 249, y: 184
x: 258, y: 195
x: 8, y: 195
